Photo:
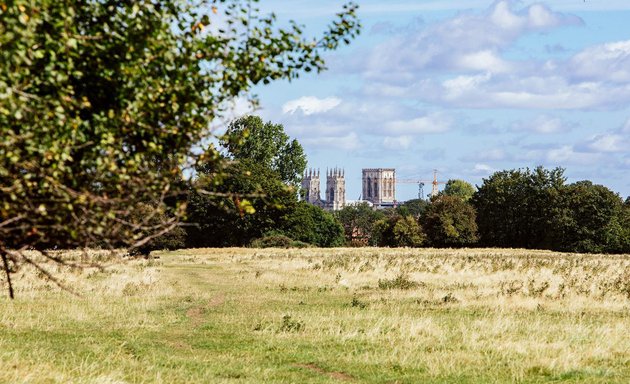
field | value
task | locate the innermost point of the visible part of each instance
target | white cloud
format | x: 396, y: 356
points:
x: 310, y: 105
x: 397, y: 142
x: 491, y: 155
x: 609, y: 143
x: 482, y: 169
x: 467, y: 41
x: 348, y: 142
x: 610, y: 62
x: 484, y: 60
x: 435, y: 123
x: 542, y: 124
x: 467, y: 52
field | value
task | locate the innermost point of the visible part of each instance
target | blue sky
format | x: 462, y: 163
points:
x: 467, y: 88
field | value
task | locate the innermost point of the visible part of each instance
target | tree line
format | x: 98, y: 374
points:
x: 254, y: 201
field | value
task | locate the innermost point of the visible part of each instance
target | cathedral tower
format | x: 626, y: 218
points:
x: 310, y: 186
x: 335, y: 189
x: 379, y: 186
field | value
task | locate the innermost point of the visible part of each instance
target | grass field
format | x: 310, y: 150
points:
x: 315, y: 315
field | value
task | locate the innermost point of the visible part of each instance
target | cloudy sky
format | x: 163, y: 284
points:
x: 467, y: 88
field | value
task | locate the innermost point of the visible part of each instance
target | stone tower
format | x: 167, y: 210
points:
x: 379, y: 186
x: 335, y: 189
x: 310, y: 186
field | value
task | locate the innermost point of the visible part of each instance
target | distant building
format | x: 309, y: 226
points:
x: 379, y: 186
x: 335, y: 188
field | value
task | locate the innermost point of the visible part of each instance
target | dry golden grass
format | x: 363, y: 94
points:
x: 325, y: 315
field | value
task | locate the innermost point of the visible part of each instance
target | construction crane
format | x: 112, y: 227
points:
x: 421, y: 184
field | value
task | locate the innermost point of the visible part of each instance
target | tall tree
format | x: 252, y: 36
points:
x: 591, y: 219
x: 516, y: 208
x: 459, y: 188
x: 413, y: 207
x: 398, y: 231
x: 249, y: 201
x: 313, y: 225
x: 102, y: 102
x: 358, y: 223
x: 449, y: 221
x: 268, y: 145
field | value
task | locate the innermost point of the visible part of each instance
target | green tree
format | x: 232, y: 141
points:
x: 268, y: 145
x: 459, y: 188
x: 516, y: 208
x: 414, y: 207
x: 358, y: 223
x: 249, y: 201
x: 591, y: 219
x: 398, y: 231
x: 450, y: 221
x: 313, y: 225
x: 102, y: 103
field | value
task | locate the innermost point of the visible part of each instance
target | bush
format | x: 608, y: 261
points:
x: 401, y: 281
x: 398, y: 231
x: 277, y: 241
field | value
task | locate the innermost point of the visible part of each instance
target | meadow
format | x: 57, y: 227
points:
x: 369, y: 315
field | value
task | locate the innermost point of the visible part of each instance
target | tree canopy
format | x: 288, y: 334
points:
x: 102, y: 102
x: 459, y: 188
x: 266, y: 144
x: 449, y: 221
x: 515, y: 207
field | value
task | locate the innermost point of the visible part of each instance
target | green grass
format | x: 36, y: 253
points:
x: 319, y: 316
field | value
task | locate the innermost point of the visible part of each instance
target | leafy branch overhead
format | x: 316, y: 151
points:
x: 102, y: 102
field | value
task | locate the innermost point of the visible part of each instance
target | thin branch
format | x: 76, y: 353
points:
x: 11, y: 220
x: 48, y: 275
x: 146, y: 239
x: 7, y: 271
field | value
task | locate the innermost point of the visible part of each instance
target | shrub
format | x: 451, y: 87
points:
x: 401, y: 281
x: 277, y: 241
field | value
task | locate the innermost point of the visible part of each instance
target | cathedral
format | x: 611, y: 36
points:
x: 335, y: 189
x: 379, y: 188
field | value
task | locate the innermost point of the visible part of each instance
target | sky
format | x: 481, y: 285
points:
x: 464, y: 87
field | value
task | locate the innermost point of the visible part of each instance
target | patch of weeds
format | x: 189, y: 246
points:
x: 356, y: 303
x: 261, y: 326
x: 538, y: 371
x: 132, y: 289
x: 401, y: 281
x: 450, y: 299
x: 509, y: 288
x: 536, y: 290
x: 290, y: 325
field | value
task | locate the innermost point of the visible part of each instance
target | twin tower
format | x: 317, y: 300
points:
x: 379, y: 188
x: 335, y: 188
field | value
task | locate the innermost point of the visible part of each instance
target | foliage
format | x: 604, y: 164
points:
x: 591, y: 219
x: 399, y: 231
x: 276, y: 240
x: 414, y: 207
x: 101, y: 103
x: 266, y: 144
x: 459, y: 188
x: 515, y: 208
x: 402, y: 281
x: 172, y: 239
x: 313, y: 225
x: 219, y: 215
x: 449, y: 221
x: 358, y: 223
